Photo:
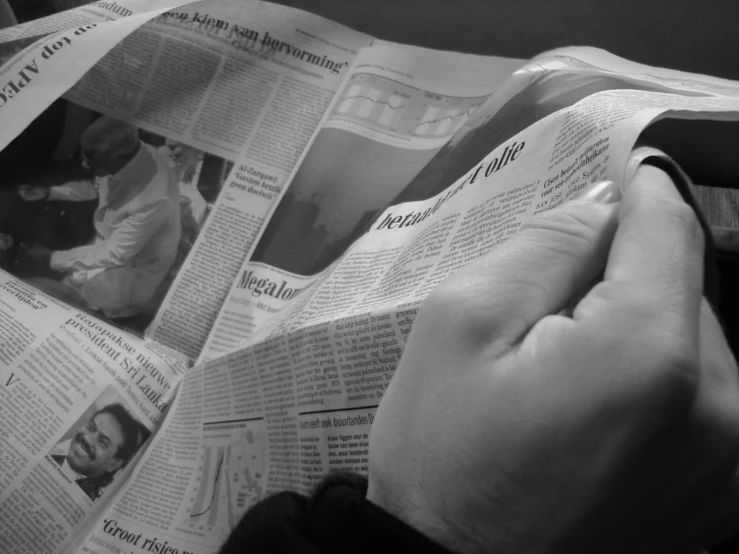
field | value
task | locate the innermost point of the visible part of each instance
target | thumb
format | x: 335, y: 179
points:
x: 539, y: 271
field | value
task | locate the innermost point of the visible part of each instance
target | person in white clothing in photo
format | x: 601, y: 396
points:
x: 137, y: 222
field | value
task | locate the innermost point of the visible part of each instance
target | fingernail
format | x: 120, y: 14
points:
x: 603, y: 192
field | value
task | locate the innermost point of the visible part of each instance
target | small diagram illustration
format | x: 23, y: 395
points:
x: 231, y: 467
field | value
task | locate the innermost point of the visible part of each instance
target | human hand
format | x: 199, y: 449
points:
x: 33, y: 193
x: 508, y: 428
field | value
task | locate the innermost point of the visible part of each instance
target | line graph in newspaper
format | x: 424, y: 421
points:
x: 390, y: 105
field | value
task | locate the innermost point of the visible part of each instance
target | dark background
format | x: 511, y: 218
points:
x: 689, y: 35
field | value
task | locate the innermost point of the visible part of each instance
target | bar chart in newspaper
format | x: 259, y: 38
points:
x: 389, y: 105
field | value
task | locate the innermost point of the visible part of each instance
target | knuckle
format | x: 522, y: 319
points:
x: 452, y: 306
x: 672, y: 372
x: 572, y: 231
x: 443, y: 303
x: 578, y: 222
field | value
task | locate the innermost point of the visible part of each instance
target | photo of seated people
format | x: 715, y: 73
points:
x: 102, y: 214
x: 99, y: 445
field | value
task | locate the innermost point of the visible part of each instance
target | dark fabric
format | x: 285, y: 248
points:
x: 34, y: 146
x: 336, y: 519
x: 91, y: 486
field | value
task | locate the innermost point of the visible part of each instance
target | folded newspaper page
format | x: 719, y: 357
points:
x: 210, y: 267
x: 224, y: 100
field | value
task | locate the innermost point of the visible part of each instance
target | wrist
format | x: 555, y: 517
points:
x: 462, y: 521
x: 413, y: 510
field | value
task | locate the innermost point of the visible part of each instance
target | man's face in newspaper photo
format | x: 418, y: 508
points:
x: 181, y: 154
x: 94, y: 449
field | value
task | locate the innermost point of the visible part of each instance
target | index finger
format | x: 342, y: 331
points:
x: 656, y: 259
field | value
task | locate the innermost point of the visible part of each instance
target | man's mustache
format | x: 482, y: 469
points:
x: 86, y: 446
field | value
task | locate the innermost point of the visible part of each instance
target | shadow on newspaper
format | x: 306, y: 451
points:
x: 346, y: 181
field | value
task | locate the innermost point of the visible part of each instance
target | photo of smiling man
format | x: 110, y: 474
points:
x: 98, y: 447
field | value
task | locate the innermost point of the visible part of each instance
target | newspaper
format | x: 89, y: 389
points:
x: 298, y: 189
